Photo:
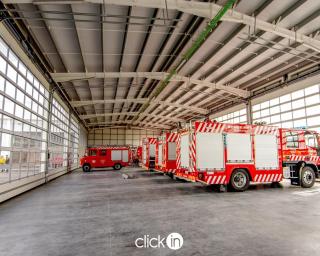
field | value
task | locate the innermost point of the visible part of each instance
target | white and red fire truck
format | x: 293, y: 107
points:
x: 166, y: 153
x: 149, y: 153
x: 237, y: 154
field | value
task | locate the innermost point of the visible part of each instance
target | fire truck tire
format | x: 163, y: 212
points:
x: 308, y: 177
x: 117, y: 166
x: 86, y: 168
x: 239, y: 180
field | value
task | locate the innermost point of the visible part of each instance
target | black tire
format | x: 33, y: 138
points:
x: 239, y: 180
x: 86, y: 168
x: 308, y: 177
x: 117, y: 166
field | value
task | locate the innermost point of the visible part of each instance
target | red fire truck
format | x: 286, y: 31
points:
x: 166, y: 153
x: 102, y: 157
x: 149, y: 153
x: 237, y: 154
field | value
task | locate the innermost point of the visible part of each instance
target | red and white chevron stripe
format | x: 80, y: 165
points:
x: 172, y: 137
x: 152, y: 140
x: 314, y: 158
x: 260, y: 129
x: 268, y: 177
x: 192, y: 152
x: 211, y: 127
x: 297, y: 158
x: 178, y: 152
x: 171, y: 170
x: 216, y: 179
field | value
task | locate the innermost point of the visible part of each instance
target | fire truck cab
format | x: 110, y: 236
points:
x: 301, y: 155
x: 116, y: 157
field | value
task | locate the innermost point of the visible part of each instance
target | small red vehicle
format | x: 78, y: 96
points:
x: 116, y: 157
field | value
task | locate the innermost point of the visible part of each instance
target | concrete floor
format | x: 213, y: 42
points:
x: 100, y: 213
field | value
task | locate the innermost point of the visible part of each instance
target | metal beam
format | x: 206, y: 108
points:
x: 69, y: 77
x: 88, y: 116
x: 203, y: 9
x: 81, y: 103
x: 139, y: 100
x: 162, y: 126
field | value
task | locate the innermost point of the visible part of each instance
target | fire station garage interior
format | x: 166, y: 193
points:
x: 159, y: 127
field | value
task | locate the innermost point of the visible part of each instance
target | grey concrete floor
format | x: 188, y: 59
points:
x: 100, y: 213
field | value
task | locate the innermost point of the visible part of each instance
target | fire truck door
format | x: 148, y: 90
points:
x: 102, y: 159
x: 239, y: 147
x: 266, y: 151
x: 210, y: 151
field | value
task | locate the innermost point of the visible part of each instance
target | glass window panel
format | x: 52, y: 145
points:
x: 301, y: 123
x: 286, y: 116
x: 19, y: 111
x: 22, y: 68
x: 311, y: 90
x: 30, y: 77
x: 264, y: 104
x: 21, y: 82
x: 275, y: 110
x: 1, y: 101
x: 28, y: 102
x: 285, y: 107
x: 311, y: 100
x: 8, y: 106
x: 10, y: 89
x: 274, y: 102
x: 7, y: 123
x: 256, y: 107
x: 3, y: 65
x: 275, y: 119
x: 265, y: 112
x: 2, y: 83
x: 285, y: 98
x: 299, y: 113
x: 287, y: 125
x: 3, y: 48
x: 298, y: 103
x: 313, y: 121
x: 20, y: 96
x: 12, y: 73
x: 297, y: 94
x: 13, y: 58
x: 29, y: 89
x: 243, y: 112
x: 256, y: 115
x: 6, y: 140
x: 18, y: 126
x: 311, y: 111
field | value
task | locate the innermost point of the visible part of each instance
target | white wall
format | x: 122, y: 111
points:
x: 117, y: 136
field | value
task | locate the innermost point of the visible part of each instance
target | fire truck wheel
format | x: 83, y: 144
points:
x: 86, y: 167
x: 239, y: 180
x: 307, y: 177
x: 117, y: 166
